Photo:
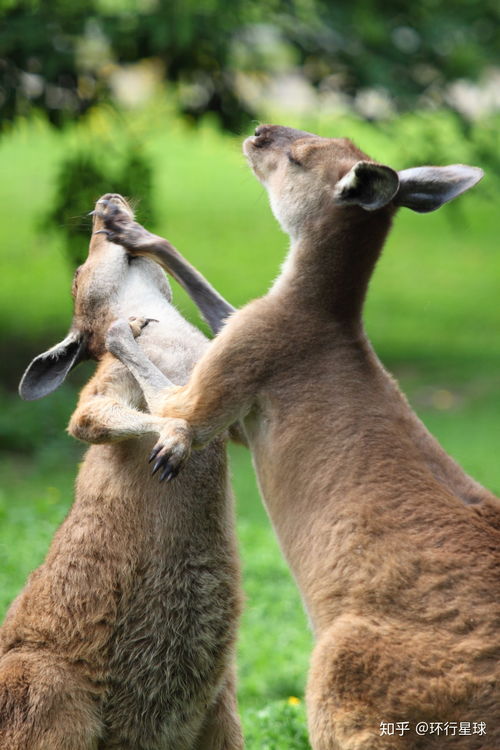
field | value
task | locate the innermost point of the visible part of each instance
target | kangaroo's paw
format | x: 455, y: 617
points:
x: 120, y: 228
x: 172, y: 449
x: 121, y: 333
x: 136, y: 325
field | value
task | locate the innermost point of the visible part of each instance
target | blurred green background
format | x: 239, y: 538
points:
x: 152, y: 99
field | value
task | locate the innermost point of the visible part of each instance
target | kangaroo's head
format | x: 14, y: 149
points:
x: 310, y: 178
x: 108, y: 285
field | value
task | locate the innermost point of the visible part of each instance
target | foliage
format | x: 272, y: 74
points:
x: 208, y: 204
x: 104, y: 162
x: 59, y: 55
x: 410, y: 49
x: 444, y: 138
x: 20, y: 423
x: 87, y: 174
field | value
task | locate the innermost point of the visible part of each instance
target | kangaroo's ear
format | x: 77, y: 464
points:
x: 368, y: 185
x: 426, y: 188
x: 47, y: 371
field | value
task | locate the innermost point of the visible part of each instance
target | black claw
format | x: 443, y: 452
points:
x: 157, y: 466
x: 154, y: 454
x: 170, y: 472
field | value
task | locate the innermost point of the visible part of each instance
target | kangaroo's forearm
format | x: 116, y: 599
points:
x: 221, y: 391
x: 214, y: 308
x: 122, y: 344
x: 206, y: 417
x: 151, y: 380
x: 138, y: 241
x: 224, y: 383
x: 216, y: 396
x: 104, y: 420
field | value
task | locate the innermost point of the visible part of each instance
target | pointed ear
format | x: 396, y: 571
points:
x: 368, y: 185
x: 426, y: 188
x: 47, y: 371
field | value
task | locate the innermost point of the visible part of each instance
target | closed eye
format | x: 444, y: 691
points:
x: 74, y: 285
x: 293, y: 160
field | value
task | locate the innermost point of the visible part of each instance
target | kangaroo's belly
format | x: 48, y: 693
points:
x: 171, y: 647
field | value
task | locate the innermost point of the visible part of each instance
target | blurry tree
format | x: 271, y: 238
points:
x: 412, y: 49
x: 57, y: 54
x: 83, y: 177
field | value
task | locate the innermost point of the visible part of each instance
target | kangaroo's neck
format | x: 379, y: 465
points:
x: 330, y: 264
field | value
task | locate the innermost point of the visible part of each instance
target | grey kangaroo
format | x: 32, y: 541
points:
x: 395, y: 549
x: 124, y: 637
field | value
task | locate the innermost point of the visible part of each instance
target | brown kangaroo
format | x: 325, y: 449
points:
x: 394, y: 548
x: 124, y: 637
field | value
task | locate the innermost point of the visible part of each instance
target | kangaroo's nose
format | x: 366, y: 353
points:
x: 263, y: 130
x: 263, y: 135
x: 113, y: 197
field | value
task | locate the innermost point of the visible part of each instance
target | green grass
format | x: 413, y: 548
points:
x: 275, y: 641
x: 432, y: 314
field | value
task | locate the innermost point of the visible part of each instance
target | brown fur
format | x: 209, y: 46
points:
x: 395, y: 549
x: 124, y: 637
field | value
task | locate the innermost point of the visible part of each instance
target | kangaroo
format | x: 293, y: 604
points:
x: 394, y: 548
x: 124, y: 637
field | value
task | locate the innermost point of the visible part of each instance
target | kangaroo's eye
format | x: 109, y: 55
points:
x: 74, y: 285
x: 293, y: 160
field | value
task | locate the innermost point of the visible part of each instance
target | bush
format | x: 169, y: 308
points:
x: 88, y: 173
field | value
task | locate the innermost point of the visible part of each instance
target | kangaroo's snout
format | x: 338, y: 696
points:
x: 102, y: 205
x: 262, y: 136
x: 278, y: 136
x: 114, y: 198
